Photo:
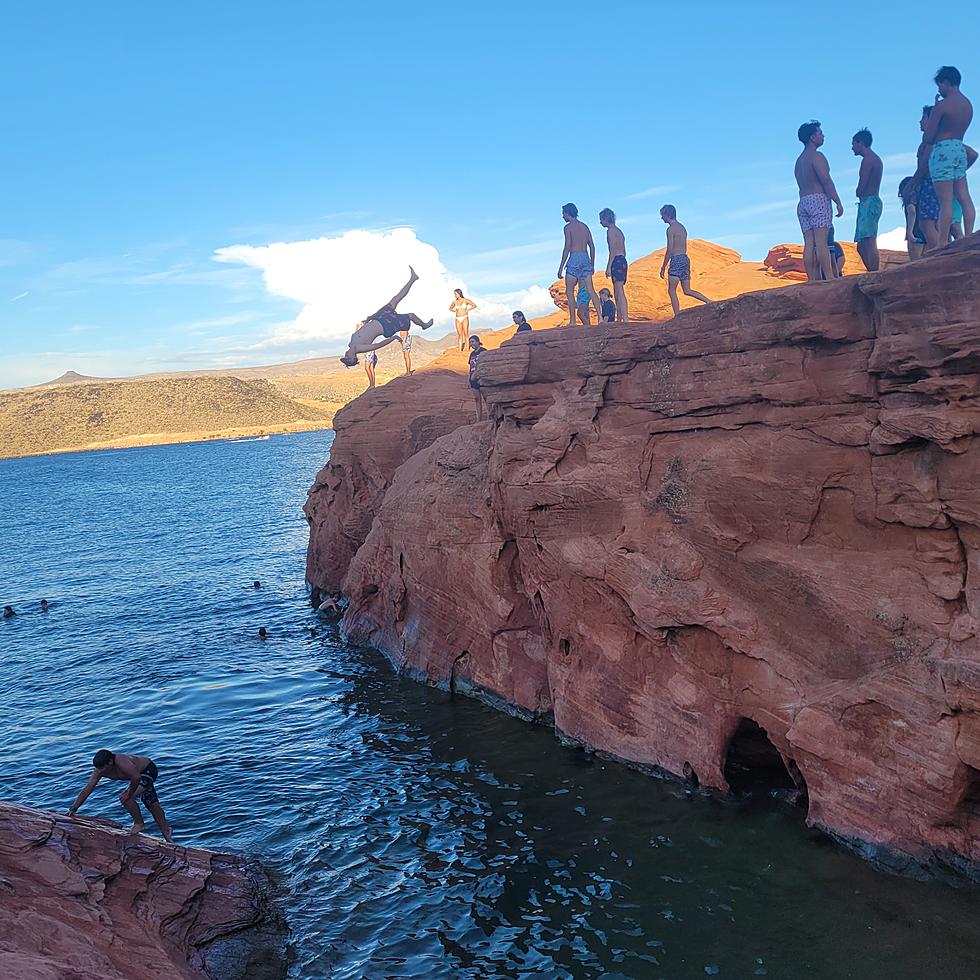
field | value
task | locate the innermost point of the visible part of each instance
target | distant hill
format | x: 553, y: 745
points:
x: 90, y: 415
x: 70, y: 377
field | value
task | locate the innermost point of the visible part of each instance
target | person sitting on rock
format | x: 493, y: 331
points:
x: 141, y: 774
x: 386, y: 323
x: 333, y: 605
x: 608, y: 306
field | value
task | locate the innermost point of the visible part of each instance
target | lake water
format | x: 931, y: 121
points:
x: 418, y: 834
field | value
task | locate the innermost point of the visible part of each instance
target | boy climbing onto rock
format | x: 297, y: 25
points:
x: 679, y: 271
x: 141, y: 774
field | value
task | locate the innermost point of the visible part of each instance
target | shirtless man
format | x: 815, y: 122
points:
x: 137, y: 770
x: 816, y: 192
x: 869, y: 202
x: 579, y: 253
x: 676, y: 255
x: 948, y: 123
x: 385, y: 322
x: 617, y: 267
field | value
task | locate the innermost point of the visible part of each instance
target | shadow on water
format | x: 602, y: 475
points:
x: 419, y: 834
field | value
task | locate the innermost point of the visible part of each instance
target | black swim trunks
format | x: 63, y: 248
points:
x: 391, y: 322
x: 619, y: 269
x: 148, y: 791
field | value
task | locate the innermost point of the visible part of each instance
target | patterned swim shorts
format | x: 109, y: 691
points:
x: 869, y: 214
x: 680, y: 267
x: 814, y: 212
x: 927, y: 204
x: 619, y: 269
x: 948, y: 160
x: 579, y: 266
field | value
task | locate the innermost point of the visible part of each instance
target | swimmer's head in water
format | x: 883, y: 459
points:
x: 569, y: 211
x: 668, y: 212
x: 8, y: 611
x: 256, y: 584
x: 262, y: 632
x: 809, y: 133
x: 607, y: 217
x: 103, y: 758
x: 44, y: 603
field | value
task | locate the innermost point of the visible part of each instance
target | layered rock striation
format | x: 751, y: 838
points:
x: 756, y: 523
x: 84, y: 899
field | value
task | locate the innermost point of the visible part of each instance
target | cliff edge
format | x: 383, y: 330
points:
x: 86, y: 900
x: 744, y: 542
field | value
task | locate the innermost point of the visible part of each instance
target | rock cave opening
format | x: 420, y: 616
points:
x: 753, y: 765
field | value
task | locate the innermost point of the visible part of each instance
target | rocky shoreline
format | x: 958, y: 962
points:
x: 86, y: 899
x: 742, y: 543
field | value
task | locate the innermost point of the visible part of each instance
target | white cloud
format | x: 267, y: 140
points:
x: 658, y: 191
x: 894, y: 239
x: 341, y: 280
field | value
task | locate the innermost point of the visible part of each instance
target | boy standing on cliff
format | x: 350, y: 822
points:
x: 617, y: 267
x: 141, y: 773
x: 948, y: 123
x: 676, y: 255
x: 817, y: 191
x: 579, y: 253
x: 869, y: 203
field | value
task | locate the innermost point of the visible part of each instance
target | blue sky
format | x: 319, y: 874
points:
x: 141, y: 139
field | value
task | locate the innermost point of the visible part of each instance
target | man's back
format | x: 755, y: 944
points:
x: 579, y: 235
x: 956, y: 114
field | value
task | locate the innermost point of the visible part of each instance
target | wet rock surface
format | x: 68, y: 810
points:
x: 83, y: 899
x: 764, y: 511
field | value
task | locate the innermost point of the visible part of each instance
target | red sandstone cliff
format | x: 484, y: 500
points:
x: 764, y: 510
x: 85, y: 900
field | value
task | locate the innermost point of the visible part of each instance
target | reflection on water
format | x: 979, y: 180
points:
x: 420, y: 835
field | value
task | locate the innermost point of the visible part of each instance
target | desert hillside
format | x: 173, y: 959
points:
x: 87, y: 415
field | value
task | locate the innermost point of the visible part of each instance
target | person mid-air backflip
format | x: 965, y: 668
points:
x: 386, y: 323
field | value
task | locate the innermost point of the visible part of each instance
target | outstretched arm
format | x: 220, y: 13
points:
x: 380, y: 344
x: 86, y: 791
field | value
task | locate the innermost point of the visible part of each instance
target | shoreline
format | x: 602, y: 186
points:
x: 178, y: 438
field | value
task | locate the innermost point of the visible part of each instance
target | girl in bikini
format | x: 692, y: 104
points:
x: 460, y: 308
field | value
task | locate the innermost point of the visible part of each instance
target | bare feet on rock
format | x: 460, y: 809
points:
x: 137, y: 828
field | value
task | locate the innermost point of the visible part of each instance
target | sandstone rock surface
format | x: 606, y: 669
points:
x: 765, y: 510
x: 85, y: 900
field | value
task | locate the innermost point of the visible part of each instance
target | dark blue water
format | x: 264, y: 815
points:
x: 419, y: 835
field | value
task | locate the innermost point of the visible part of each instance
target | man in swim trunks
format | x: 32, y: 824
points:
x: 406, y: 340
x: 617, y: 268
x: 141, y: 774
x: 948, y: 123
x: 869, y: 202
x: 817, y: 191
x: 385, y: 322
x: 679, y: 271
x: 579, y: 254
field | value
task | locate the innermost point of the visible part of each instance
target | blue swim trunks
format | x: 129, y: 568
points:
x: 579, y: 266
x: 619, y: 269
x: 869, y: 214
x: 927, y: 204
x: 948, y: 160
x: 680, y: 267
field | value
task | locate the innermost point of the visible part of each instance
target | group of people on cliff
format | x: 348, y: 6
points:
x: 935, y: 199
